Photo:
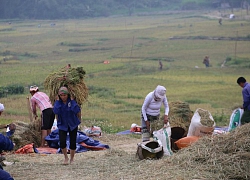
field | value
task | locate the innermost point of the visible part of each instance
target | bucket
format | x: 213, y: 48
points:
x: 149, y: 150
x: 176, y: 134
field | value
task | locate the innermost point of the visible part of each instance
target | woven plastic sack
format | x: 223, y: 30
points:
x: 163, y: 135
x: 149, y: 150
x: 235, y: 119
x: 196, y: 128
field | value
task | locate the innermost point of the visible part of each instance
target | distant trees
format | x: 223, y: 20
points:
x: 65, y: 9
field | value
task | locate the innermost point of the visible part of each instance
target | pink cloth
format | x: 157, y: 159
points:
x: 40, y: 100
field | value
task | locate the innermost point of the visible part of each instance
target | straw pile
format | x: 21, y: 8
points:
x: 180, y: 115
x: 72, y: 78
x: 27, y: 133
x: 205, y: 118
x: 226, y: 155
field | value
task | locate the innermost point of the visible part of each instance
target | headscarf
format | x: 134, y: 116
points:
x: 33, y: 88
x: 1, y: 107
x: 160, y: 92
x: 63, y: 90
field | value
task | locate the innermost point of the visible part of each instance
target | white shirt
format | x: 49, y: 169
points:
x: 152, y: 107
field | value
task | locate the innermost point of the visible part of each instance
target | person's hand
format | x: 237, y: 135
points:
x: 165, y: 119
x: 57, y: 97
x: 35, y: 116
x: 12, y: 127
x: 72, y: 97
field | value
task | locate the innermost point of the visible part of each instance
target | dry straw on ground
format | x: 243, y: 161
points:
x: 226, y: 155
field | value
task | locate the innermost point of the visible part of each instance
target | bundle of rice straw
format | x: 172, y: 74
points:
x: 27, y: 133
x: 180, y: 114
x: 72, y: 78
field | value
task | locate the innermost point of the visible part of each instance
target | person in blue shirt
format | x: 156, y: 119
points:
x: 246, y: 99
x: 5, y: 145
x: 68, y: 115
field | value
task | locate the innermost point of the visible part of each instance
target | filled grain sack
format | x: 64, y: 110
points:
x: 235, y: 119
x: 163, y: 135
x: 186, y: 141
x: 202, y: 123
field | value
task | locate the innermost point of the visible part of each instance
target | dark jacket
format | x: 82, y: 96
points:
x: 5, y: 143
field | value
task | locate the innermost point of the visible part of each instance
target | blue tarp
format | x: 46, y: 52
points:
x: 53, y: 141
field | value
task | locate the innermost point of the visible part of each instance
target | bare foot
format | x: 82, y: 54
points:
x: 71, y: 161
x: 66, y: 161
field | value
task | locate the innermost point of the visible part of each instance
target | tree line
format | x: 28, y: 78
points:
x: 74, y: 9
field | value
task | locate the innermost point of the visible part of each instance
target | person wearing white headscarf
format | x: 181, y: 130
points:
x: 150, y: 112
x: 1, y: 108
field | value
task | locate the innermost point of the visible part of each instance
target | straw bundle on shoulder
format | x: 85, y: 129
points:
x: 72, y: 78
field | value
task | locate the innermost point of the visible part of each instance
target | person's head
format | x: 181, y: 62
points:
x: 63, y: 93
x: 33, y: 89
x: 1, y: 108
x: 159, y: 93
x: 241, y: 81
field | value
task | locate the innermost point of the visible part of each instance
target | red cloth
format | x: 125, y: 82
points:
x: 29, y: 148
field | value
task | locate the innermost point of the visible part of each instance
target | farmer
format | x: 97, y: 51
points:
x: 10, y: 127
x: 150, y: 115
x: 160, y: 65
x: 1, y: 108
x: 4, y: 175
x: 220, y: 21
x: 68, y: 115
x: 42, y: 101
x: 206, y: 61
x: 246, y: 99
x: 5, y: 145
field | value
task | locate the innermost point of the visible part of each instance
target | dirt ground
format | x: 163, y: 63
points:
x: 87, y: 165
x: 206, y: 160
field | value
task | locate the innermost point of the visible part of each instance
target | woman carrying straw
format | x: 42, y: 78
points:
x: 68, y: 114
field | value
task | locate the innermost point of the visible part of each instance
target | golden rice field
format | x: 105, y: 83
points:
x: 133, y: 45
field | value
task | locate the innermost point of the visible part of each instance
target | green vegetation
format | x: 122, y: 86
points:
x: 11, y: 89
x: 132, y: 46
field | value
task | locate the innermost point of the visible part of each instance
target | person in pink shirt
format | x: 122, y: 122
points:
x: 42, y: 101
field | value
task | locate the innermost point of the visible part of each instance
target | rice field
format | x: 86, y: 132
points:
x: 132, y: 45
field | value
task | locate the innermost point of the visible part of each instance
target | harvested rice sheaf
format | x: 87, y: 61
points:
x: 72, y: 78
x: 180, y: 114
x: 205, y: 118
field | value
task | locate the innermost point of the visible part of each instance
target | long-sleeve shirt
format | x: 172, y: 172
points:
x: 40, y: 100
x: 5, y: 143
x: 152, y: 107
x: 246, y: 96
x: 67, y: 114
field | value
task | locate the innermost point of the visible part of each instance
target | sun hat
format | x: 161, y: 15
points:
x: 63, y: 90
x: 33, y: 88
x: 1, y: 107
x: 160, y: 92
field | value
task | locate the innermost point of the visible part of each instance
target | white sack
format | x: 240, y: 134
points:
x: 197, y: 129
x: 163, y: 135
